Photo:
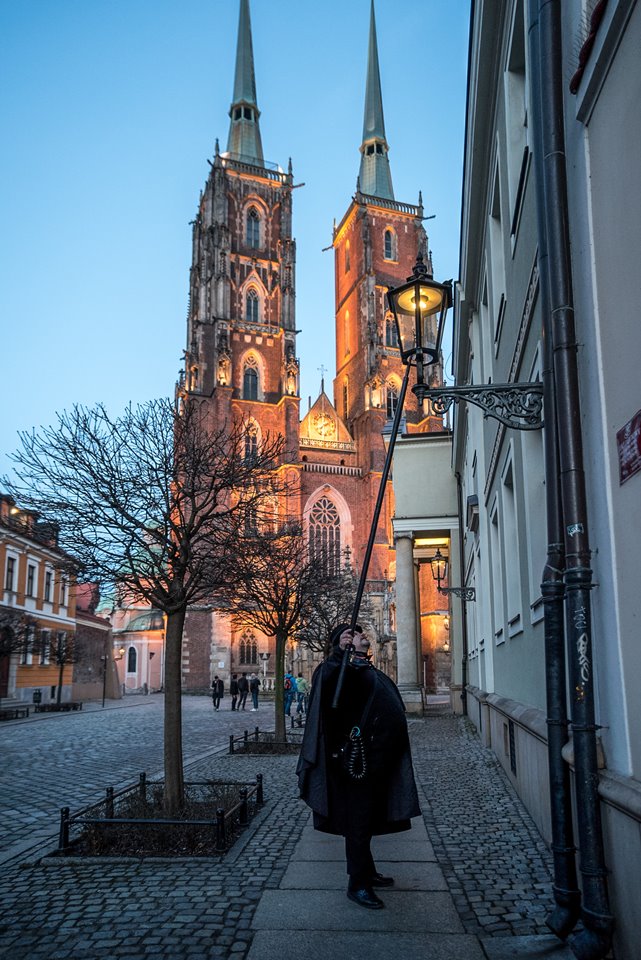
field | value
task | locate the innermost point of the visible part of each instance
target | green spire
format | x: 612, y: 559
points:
x: 244, y: 132
x: 375, y: 175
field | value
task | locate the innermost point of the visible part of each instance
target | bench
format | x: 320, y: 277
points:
x: 14, y: 713
x: 58, y: 707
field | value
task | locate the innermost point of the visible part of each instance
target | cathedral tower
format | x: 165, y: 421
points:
x: 241, y: 331
x: 375, y: 246
x: 240, y: 358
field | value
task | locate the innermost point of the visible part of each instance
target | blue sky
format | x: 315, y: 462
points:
x: 109, y: 110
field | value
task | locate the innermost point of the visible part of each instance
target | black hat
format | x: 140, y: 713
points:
x: 337, y: 631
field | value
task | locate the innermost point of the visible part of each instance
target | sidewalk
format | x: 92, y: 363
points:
x: 472, y: 880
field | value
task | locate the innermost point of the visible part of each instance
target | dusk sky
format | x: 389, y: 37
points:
x: 110, y: 110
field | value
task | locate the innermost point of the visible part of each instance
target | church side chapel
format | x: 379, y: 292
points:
x: 241, y: 359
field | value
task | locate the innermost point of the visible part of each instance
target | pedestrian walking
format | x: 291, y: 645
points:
x: 290, y: 692
x: 243, y: 690
x: 254, y: 687
x: 302, y: 693
x: 355, y: 767
x: 217, y: 691
x: 233, y: 690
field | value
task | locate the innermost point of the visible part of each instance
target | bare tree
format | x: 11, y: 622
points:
x: 16, y: 629
x: 152, y: 501
x: 274, y: 592
x: 334, y: 597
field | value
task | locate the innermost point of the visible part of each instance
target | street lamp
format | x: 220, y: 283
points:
x: 439, y: 565
x: 264, y: 657
x: 419, y: 307
x: 105, y: 659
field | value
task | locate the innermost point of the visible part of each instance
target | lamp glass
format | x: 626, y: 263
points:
x: 419, y: 307
x: 438, y: 564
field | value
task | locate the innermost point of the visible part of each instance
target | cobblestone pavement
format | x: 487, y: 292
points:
x: 497, y: 867
x: 494, y: 861
x: 68, y: 759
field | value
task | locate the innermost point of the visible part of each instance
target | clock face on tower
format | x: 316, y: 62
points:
x: 324, y: 426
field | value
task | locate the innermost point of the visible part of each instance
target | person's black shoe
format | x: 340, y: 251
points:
x: 378, y: 880
x: 365, y: 898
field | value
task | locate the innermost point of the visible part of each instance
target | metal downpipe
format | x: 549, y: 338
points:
x: 593, y: 942
x: 567, y: 896
x: 459, y: 497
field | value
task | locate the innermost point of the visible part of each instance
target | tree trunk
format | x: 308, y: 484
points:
x: 61, y: 671
x: 279, y: 681
x: 174, y: 784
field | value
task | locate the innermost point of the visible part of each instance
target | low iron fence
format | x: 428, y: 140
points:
x: 226, y: 821
x: 244, y: 743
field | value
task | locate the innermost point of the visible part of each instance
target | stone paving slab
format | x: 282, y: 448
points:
x: 268, y: 945
x: 331, y: 875
x: 526, y: 948
x: 404, y: 851
x: 330, y: 911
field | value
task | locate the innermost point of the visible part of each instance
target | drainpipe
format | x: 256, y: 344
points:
x: 567, y: 896
x: 593, y: 942
x: 461, y: 551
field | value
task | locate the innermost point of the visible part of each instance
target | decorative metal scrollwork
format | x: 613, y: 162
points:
x: 467, y: 594
x: 517, y: 405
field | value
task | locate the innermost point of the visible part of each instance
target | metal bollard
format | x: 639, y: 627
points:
x: 242, y: 813
x: 231, y: 742
x: 260, y: 799
x: 246, y: 738
x: 256, y: 734
x: 63, y: 839
x: 220, y: 829
x: 109, y: 803
x: 142, y: 787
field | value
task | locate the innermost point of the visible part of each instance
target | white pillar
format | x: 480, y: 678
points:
x: 406, y: 636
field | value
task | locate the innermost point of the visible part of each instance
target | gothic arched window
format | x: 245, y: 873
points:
x: 389, y: 242
x: 253, y: 228
x: 251, y: 441
x: 132, y: 660
x: 392, y: 401
x: 325, y: 536
x: 248, y: 649
x: 347, y: 257
x: 391, y: 334
x: 250, y: 380
x: 252, y: 302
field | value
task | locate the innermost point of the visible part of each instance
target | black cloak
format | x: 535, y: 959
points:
x: 387, y: 795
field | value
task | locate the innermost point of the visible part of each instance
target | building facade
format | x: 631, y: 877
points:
x: 37, y: 612
x: 502, y: 305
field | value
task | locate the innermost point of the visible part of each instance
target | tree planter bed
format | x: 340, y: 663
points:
x: 132, y: 822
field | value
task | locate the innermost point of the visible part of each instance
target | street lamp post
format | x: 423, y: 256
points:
x: 264, y: 658
x: 105, y: 660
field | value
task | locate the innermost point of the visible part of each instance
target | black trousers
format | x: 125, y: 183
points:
x: 358, y: 835
x: 360, y: 863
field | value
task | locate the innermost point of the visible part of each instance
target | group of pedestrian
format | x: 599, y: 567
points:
x: 296, y: 690
x: 239, y: 689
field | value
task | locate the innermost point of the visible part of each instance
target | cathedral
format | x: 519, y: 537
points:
x: 241, y: 358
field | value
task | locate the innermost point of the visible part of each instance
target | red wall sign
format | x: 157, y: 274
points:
x: 629, y: 448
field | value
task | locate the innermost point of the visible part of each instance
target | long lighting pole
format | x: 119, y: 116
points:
x: 374, y: 527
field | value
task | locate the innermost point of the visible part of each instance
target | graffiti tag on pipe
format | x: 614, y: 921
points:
x: 575, y: 528
x: 581, y: 623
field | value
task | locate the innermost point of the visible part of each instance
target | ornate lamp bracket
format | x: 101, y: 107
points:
x: 467, y: 594
x: 517, y: 405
